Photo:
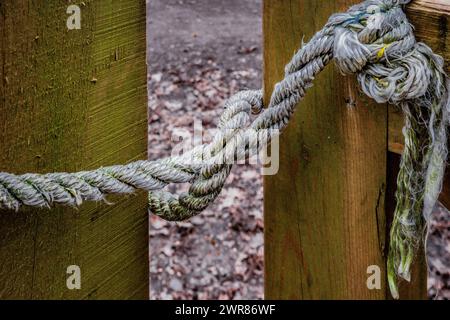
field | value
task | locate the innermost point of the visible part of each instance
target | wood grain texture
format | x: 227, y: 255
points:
x: 324, y: 210
x: 73, y: 100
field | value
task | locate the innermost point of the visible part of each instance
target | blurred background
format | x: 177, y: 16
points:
x: 199, y: 53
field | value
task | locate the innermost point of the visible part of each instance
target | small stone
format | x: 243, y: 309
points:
x: 176, y: 284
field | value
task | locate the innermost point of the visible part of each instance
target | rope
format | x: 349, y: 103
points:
x: 373, y: 40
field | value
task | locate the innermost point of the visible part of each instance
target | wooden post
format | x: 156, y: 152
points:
x: 325, y: 214
x: 73, y: 100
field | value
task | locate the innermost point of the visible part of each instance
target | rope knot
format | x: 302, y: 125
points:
x: 375, y: 40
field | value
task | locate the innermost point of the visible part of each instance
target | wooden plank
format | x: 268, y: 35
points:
x: 73, y: 100
x: 324, y: 210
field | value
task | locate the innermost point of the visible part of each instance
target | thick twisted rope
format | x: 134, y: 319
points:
x: 374, y: 40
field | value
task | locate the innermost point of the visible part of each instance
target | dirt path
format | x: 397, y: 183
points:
x: 200, y: 52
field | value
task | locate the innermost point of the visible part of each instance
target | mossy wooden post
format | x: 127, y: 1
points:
x: 325, y: 220
x: 73, y: 100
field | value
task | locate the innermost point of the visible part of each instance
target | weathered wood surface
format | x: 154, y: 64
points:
x: 325, y: 219
x: 324, y: 210
x: 73, y: 100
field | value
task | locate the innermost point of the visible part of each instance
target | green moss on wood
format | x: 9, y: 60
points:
x: 55, y: 118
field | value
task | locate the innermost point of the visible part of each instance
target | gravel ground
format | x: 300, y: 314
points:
x: 201, y: 52
x: 438, y: 250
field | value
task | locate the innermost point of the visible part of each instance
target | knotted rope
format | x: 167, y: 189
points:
x: 374, y: 40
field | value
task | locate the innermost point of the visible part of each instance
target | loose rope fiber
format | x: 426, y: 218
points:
x: 373, y: 40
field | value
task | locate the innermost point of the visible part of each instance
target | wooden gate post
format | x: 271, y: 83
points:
x: 325, y: 210
x: 73, y: 99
